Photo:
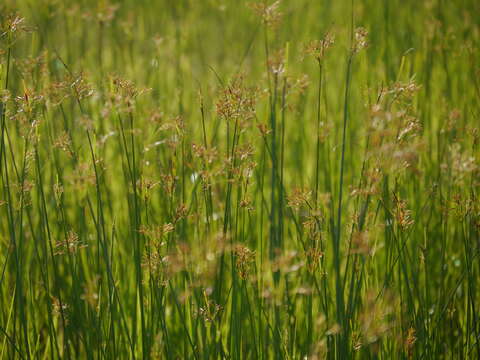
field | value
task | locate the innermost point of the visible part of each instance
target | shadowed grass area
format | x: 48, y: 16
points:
x: 219, y: 179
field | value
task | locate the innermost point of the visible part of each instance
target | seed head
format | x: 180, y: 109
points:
x: 360, y: 40
x: 244, y: 258
x: 402, y: 214
x: 318, y: 48
x: 71, y: 244
x: 299, y: 198
x: 270, y: 14
x: 237, y: 102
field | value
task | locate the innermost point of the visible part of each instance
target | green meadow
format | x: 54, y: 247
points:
x: 229, y: 179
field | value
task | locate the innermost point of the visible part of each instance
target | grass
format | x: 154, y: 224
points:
x: 229, y: 179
